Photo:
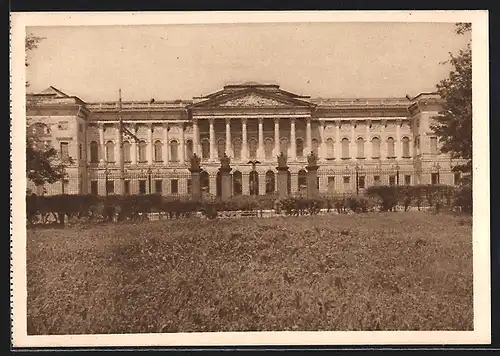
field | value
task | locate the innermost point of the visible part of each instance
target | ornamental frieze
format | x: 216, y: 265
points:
x: 252, y: 100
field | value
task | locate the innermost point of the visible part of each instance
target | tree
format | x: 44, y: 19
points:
x: 454, y: 122
x: 43, y: 164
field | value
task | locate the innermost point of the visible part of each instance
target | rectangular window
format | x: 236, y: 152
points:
x: 158, y: 185
x: 456, y: 178
x: 392, y: 180
x: 110, y: 187
x: 142, y: 187
x: 433, y: 145
x: 376, y: 180
x: 361, y: 182
x: 174, y: 186
x: 189, y: 186
x: 127, y: 187
x: 64, y: 151
x: 94, y: 187
x: 331, y: 184
x: 407, y: 179
x: 347, y: 181
x: 434, y: 178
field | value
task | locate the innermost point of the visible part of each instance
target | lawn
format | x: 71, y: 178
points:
x: 377, y: 271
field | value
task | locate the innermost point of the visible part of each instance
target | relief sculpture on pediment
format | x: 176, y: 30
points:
x: 252, y: 100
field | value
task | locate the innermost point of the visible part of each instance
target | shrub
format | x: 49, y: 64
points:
x: 385, y: 195
x: 359, y: 204
x: 463, y: 196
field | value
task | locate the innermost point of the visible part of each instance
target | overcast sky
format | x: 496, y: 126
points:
x: 179, y: 62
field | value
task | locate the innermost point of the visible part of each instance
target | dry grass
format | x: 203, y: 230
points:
x: 391, y: 271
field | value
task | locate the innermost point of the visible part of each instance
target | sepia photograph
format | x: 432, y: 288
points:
x: 250, y: 178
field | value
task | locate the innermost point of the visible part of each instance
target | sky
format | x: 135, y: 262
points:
x: 169, y: 62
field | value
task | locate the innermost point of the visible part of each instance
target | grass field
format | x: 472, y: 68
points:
x: 380, y: 271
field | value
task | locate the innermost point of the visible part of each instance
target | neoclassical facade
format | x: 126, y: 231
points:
x: 375, y: 140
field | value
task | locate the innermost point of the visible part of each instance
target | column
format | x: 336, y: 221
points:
x: 182, y: 150
x: 244, y: 146
x: 321, y: 150
x: 196, y: 137
x: 383, y: 143
x: 308, y: 136
x: 150, y: 144
x: 212, y: 139
x: 101, y: 142
x: 133, y: 147
x: 260, y: 152
x: 228, y: 138
x: 118, y: 149
x: 397, y: 148
x: 277, y: 137
x: 338, y: 145
x: 166, y: 146
x: 293, y: 153
x: 352, y: 146
x: 368, y: 144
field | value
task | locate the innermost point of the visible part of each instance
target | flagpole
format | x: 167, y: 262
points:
x: 121, y: 159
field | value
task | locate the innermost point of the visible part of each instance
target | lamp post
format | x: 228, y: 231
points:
x: 397, y: 173
x: 150, y: 171
x: 357, y: 178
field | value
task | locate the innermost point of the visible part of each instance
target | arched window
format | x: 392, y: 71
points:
x: 252, y: 148
x: 205, y: 148
x: 375, y: 147
x: 174, y: 151
x: 110, y: 151
x: 299, y: 147
x: 345, y: 148
x: 302, y: 180
x: 360, y: 144
x: 270, y: 182
x: 253, y: 183
x: 284, y: 146
x: 221, y: 147
x: 315, y: 147
x: 142, y: 151
x: 205, y: 182
x: 268, y: 148
x: 330, y: 148
x: 94, y: 152
x: 126, y: 152
x: 158, y: 151
x: 237, y: 149
x: 406, y: 147
x: 390, y: 148
x: 189, y: 149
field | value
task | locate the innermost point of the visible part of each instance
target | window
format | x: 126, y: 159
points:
x: 64, y: 151
x: 345, y: 148
x: 375, y: 147
x: 361, y: 182
x: 110, y: 151
x: 174, y: 186
x: 80, y: 151
x: 330, y: 149
x: 93, y: 187
x: 237, y: 149
x: 268, y: 148
x: 142, y: 187
x: 63, y: 125
x: 299, y: 147
x: 158, y: 185
x: 205, y: 148
x: 434, y: 178
x: 457, y: 176
x: 392, y: 180
x: 142, y: 151
x: 284, y: 146
x: 360, y: 143
x: 127, y: 187
x: 331, y: 184
x: 270, y: 182
x: 189, y: 148
x: 174, y: 150
x: 390, y: 148
x: 189, y: 186
x: 110, y: 187
x: 302, y: 180
x: 433, y: 145
x: 126, y: 152
x: 347, y: 182
x: 158, y: 151
x: 407, y: 179
x: 94, y: 152
x: 406, y: 147
x: 221, y: 148
x: 252, y: 148
x: 376, y: 180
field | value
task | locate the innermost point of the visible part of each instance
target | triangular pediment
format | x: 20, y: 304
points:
x: 52, y: 91
x: 252, y: 98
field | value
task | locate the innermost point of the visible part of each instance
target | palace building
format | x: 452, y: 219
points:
x: 359, y: 142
